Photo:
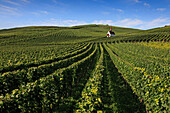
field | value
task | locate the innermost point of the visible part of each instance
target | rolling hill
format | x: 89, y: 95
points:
x: 27, y: 35
x: 51, y: 34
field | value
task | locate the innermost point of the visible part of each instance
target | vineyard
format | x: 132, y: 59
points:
x: 78, y: 69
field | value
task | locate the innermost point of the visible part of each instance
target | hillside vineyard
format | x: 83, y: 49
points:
x: 78, y: 69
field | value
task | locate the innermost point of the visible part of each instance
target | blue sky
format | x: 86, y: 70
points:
x: 141, y: 14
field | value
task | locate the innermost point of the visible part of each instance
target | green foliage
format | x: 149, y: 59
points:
x: 66, y: 69
x: 91, y: 99
x: 45, y: 93
x: 149, y: 81
x: 15, y: 78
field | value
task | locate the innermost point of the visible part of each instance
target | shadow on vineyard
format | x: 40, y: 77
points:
x: 117, y: 95
x: 78, y: 82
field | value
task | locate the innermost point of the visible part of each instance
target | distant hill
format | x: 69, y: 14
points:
x: 156, y: 34
x: 76, y: 34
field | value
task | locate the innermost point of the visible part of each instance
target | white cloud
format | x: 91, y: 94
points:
x: 161, y: 9
x: 44, y: 12
x: 8, y: 10
x: 73, y: 22
x: 155, y: 23
x: 38, y: 13
x: 58, y: 22
x: 59, y: 3
x: 110, y: 22
x: 119, y: 10
x: 11, y: 2
x: 129, y: 22
x: 123, y: 23
x: 135, y: 23
x: 137, y: 1
x: 26, y: 1
x: 146, y: 4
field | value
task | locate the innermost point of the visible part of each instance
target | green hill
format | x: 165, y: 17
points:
x: 84, y: 33
x: 157, y: 34
x: 51, y: 34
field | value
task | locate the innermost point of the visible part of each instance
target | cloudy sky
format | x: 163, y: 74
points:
x: 141, y: 14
